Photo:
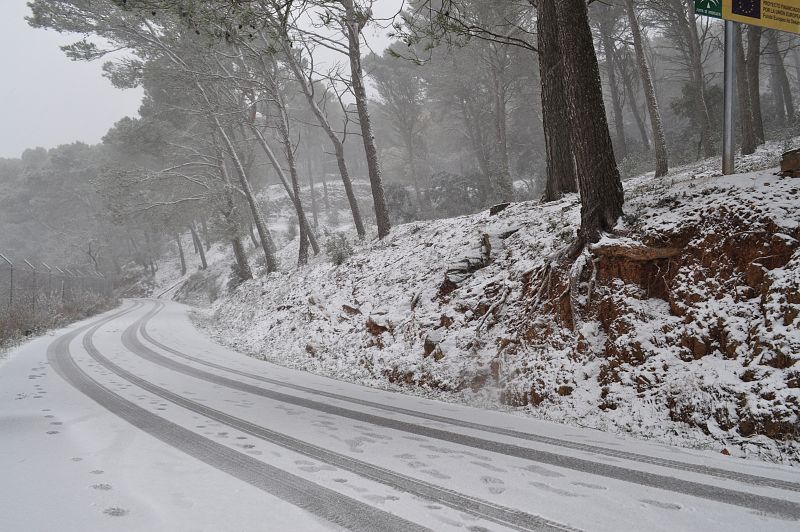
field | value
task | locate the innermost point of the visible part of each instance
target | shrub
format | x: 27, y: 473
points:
x: 338, y: 248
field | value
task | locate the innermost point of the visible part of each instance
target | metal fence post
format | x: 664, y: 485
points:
x: 10, y: 282
x: 62, y: 283
x: 49, y: 280
x: 33, y: 300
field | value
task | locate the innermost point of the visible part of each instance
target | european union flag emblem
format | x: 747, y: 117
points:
x: 747, y: 8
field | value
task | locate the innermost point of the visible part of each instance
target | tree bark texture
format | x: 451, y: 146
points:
x: 745, y: 102
x: 753, y: 61
x: 353, y: 27
x: 561, y: 176
x: 659, y: 139
x: 599, y: 181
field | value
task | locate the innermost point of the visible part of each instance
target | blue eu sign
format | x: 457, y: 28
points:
x: 747, y: 8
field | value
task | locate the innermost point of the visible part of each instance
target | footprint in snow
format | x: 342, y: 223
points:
x: 377, y: 436
x: 101, y: 487
x: 589, y: 485
x: 76, y: 459
x: 435, y: 473
x: 317, y: 468
x: 116, y: 512
x: 97, y: 472
x: 52, y: 432
x: 380, y: 499
x: 490, y: 467
x: 551, y: 489
x: 495, y: 485
x: 539, y: 470
x: 662, y: 505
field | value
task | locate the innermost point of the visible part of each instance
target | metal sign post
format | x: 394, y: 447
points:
x: 728, y: 141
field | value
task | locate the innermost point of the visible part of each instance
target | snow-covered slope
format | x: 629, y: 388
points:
x: 682, y: 327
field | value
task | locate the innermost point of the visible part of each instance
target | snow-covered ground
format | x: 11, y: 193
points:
x: 137, y: 421
x: 70, y: 465
x: 387, y: 318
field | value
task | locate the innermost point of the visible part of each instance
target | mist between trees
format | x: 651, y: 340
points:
x: 474, y: 103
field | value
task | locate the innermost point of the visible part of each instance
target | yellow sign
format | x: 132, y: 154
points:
x: 776, y: 14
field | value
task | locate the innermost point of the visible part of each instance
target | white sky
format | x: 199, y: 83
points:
x: 47, y: 100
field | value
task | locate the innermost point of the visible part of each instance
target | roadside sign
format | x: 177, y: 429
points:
x: 781, y: 15
x: 708, y: 8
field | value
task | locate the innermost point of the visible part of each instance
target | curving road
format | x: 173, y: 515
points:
x: 196, y: 437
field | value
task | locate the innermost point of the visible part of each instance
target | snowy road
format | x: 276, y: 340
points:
x: 136, y: 421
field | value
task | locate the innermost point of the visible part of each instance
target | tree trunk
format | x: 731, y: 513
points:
x: 194, y: 245
x: 199, y: 245
x: 353, y: 26
x: 150, y: 252
x: 314, y: 210
x: 231, y: 225
x: 503, y: 185
x: 180, y: 253
x: 781, y: 86
x: 137, y: 255
x: 412, y: 169
x: 253, y: 238
x: 745, y: 102
x: 306, y: 234
x: 204, y: 229
x: 561, y: 177
x: 698, y: 80
x: 599, y: 181
x: 305, y: 86
x: 609, y: 49
x: 796, y: 57
x: 325, y: 196
x: 293, y: 191
x: 242, y: 266
x: 659, y: 139
x: 474, y: 128
x: 637, y: 114
x: 266, y: 239
x: 754, y: 79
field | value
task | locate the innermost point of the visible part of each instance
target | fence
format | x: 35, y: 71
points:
x: 27, y: 288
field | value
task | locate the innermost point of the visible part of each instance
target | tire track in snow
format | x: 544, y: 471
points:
x: 496, y: 513
x: 578, y: 446
x: 320, y: 501
x: 780, y: 508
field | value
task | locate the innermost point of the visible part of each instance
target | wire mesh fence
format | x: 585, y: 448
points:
x: 32, y: 295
